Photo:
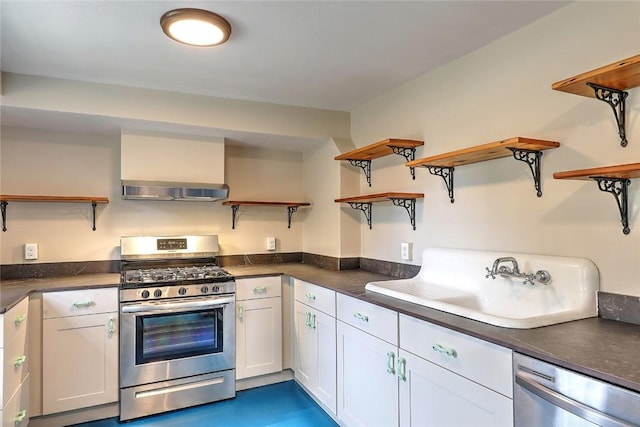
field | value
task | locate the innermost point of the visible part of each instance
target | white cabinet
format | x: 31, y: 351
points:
x: 14, y: 393
x: 258, y: 326
x: 80, y: 349
x: 448, y: 379
x: 315, y: 331
x: 367, y: 382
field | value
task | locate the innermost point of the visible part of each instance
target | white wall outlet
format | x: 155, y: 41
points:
x: 271, y: 243
x: 406, y: 251
x: 30, y: 251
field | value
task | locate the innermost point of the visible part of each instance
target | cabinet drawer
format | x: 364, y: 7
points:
x: 480, y: 361
x: 315, y: 296
x: 80, y: 302
x: 14, y: 365
x: 15, y: 321
x: 16, y: 412
x: 258, y: 287
x: 377, y: 321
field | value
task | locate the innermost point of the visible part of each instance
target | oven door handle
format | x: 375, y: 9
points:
x: 177, y: 306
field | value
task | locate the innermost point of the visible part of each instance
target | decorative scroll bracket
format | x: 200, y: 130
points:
x: 234, y: 211
x: 446, y: 173
x: 3, y: 208
x: 408, y: 153
x: 365, y: 165
x: 532, y: 158
x: 616, y: 100
x: 365, y: 208
x: 409, y: 205
x: 290, y: 211
x: 619, y: 188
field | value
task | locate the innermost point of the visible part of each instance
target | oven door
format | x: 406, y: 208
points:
x: 176, y: 338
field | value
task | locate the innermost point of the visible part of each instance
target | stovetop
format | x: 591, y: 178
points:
x: 178, y: 275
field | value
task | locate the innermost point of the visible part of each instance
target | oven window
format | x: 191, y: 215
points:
x: 178, y: 335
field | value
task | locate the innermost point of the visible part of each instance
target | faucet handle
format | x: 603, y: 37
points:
x: 490, y: 273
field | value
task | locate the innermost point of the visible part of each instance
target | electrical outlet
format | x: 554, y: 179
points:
x: 406, y: 251
x: 30, y: 251
x: 271, y: 243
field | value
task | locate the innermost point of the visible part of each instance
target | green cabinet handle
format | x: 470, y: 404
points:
x: 112, y: 326
x: 19, y: 319
x: 19, y: 361
x: 240, y: 312
x: 21, y: 416
x: 361, y: 316
x: 307, y: 319
x: 445, y: 350
x: 313, y: 321
x: 311, y: 296
x: 390, y: 356
x: 83, y: 304
x: 259, y: 289
x: 402, y: 369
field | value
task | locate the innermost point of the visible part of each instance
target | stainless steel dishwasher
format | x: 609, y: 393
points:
x: 548, y: 396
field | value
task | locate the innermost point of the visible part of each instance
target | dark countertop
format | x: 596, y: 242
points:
x: 604, y: 349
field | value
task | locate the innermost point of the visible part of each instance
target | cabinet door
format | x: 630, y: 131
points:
x: 315, y: 362
x: 431, y: 396
x: 367, y: 384
x: 258, y: 337
x: 80, y: 362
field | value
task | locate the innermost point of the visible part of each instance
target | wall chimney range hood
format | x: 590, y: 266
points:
x: 180, y: 191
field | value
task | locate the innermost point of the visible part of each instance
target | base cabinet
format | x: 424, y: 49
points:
x: 80, y: 349
x: 14, y: 359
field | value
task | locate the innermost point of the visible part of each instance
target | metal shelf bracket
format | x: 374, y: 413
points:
x: 408, y: 153
x: 365, y: 165
x: 531, y: 158
x: 3, y: 208
x: 93, y: 212
x: 410, y: 206
x: 618, y: 187
x: 446, y: 173
x: 365, y: 208
x: 234, y: 211
x: 290, y: 211
x: 616, y: 100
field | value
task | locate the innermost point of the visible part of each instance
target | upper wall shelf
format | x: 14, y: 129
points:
x: 361, y: 157
x: 235, y: 205
x: 611, y: 179
x: 5, y: 199
x: 524, y: 149
x: 364, y: 203
x: 607, y: 84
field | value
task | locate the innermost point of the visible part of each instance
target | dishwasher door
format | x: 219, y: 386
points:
x: 548, y: 396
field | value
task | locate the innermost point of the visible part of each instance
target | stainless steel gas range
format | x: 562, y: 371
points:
x: 177, y: 325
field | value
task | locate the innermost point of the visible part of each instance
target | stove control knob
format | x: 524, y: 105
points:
x: 145, y: 294
x: 204, y: 289
x: 157, y: 293
x: 182, y: 291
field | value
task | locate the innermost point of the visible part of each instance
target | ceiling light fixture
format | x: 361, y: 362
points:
x: 195, y: 27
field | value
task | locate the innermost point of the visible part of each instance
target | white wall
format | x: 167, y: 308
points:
x: 501, y: 91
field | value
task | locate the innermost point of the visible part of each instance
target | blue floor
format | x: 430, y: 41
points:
x: 278, y: 405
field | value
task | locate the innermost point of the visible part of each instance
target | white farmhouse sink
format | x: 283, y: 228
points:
x: 454, y: 281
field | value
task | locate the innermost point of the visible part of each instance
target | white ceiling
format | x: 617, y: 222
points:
x: 325, y: 54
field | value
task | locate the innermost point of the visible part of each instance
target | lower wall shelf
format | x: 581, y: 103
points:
x: 364, y: 203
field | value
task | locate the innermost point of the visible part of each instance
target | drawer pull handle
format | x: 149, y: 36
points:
x: 19, y: 361
x: 307, y: 319
x: 21, y: 416
x: 19, y: 319
x: 311, y: 296
x: 83, y: 304
x: 361, y: 316
x: 390, y: 357
x: 313, y: 321
x: 240, y: 312
x: 259, y: 289
x: 402, y: 369
x: 445, y: 350
x: 112, y: 326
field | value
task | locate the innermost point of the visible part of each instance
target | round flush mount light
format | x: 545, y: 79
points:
x: 195, y: 27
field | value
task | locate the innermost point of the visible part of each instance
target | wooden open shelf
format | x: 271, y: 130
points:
x: 610, y: 179
x: 235, y: 205
x: 6, y: 198
x: 527, y: 150
x: 607, y: 84
x: 620, y: 75
x: 361, y: 157
x: 364, y: 203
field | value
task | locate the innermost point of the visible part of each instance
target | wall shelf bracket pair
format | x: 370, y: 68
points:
x: 365, y: 204
x: 235, y: 207
x: 607, y: 84
x: 361, y: 157
x: 526, y: 150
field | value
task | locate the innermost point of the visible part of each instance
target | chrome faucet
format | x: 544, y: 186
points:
x: 540, y: 276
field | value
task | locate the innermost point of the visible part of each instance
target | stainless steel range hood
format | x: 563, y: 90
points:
x: 181, y: 191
